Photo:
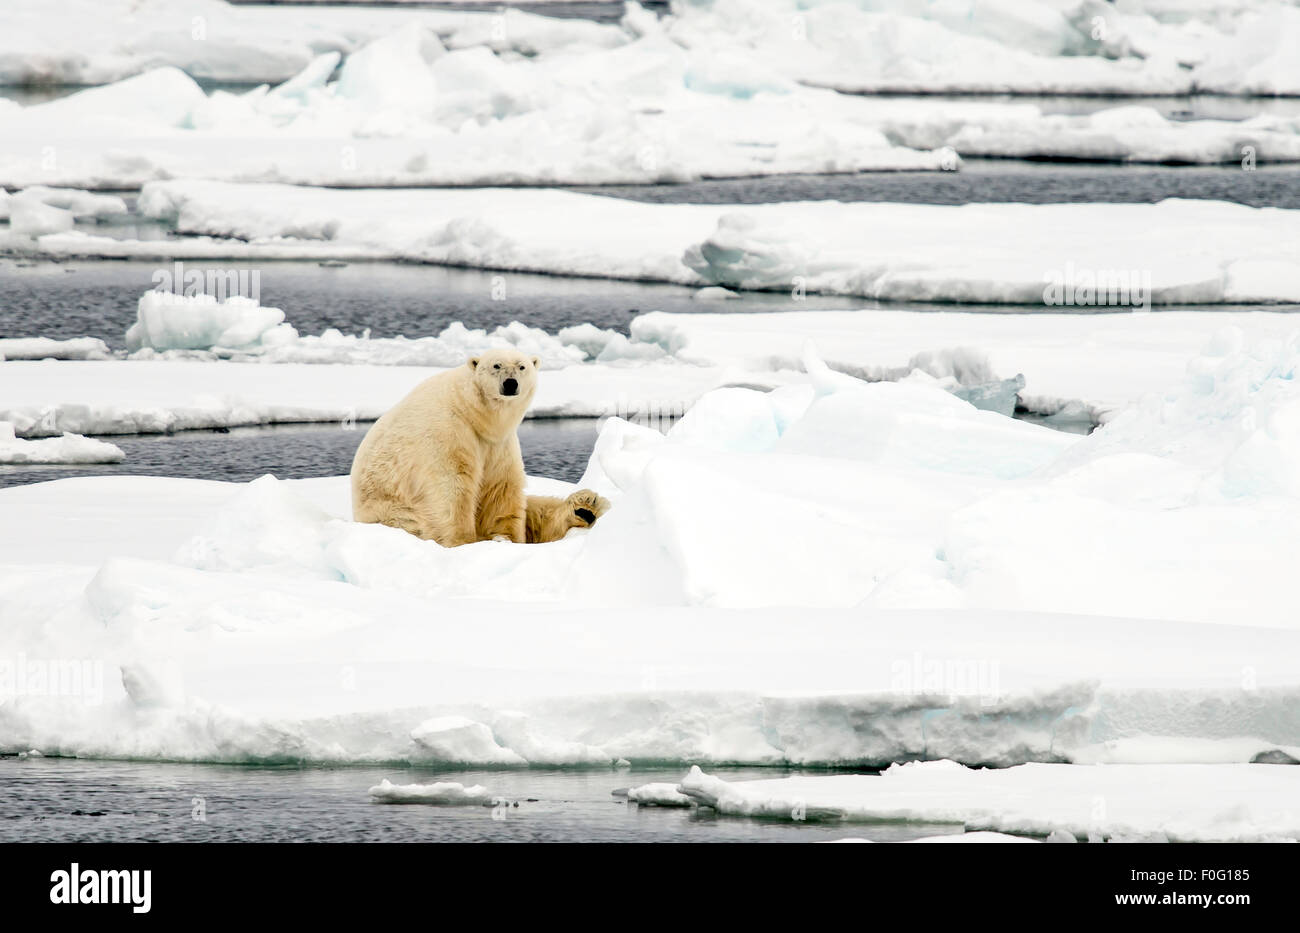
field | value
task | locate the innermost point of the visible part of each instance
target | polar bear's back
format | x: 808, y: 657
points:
x: 403, y: 449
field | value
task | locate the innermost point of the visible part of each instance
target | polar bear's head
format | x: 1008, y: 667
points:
x: 505, y: 376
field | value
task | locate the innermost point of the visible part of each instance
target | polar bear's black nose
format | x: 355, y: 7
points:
x: 510, y: 387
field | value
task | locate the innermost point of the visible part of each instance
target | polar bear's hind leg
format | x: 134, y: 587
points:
x: 549, y: 518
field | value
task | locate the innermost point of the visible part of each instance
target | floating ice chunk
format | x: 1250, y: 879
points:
x: 714, y: 293
x: 442, y: 792
x: 975, y: 837
x: 70, y: 448
x: 660, y: 794
x: 48, y: 348
x: 165, y: 321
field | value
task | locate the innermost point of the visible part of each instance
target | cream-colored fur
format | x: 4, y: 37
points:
x: 445, y: 465
x: 550, y: 518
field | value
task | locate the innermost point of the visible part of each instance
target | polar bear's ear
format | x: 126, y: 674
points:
x: 473, y: 362
x: 537, y: 362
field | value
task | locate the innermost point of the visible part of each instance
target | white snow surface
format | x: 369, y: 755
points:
x: 69, y: 448
x: 1156, y: 803
x: 828, y: 573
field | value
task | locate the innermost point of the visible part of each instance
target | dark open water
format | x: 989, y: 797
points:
x: 68, y: 800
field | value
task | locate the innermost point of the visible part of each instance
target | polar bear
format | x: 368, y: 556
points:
x: 445, y: 465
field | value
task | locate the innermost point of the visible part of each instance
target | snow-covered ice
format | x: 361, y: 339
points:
x: 1018, y: 46
x: 832, y: 572
x: 1135, y: 47
x: 48, y: 348
x: 1164, y: 803
x: 1050, y: 255
x: 69, y: 448
x: 440, y: 792
x: 218, y: 41
x: 723, y: 89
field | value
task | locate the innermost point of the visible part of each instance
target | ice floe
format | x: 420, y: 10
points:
x: 69, y: 448
x: 909, y: 569
x: 721, y: 89
x: 1050, y: 255
x: 1117, y: 803
x: 48, y: 348
x: 440, y: 792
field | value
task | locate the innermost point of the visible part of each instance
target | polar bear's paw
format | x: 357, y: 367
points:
x: 587, y: 507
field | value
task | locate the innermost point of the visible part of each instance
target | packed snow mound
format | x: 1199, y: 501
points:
x: 1231, y: 431
x: 70, y: 448
x: 1117, y: 803
x: 440, y: 792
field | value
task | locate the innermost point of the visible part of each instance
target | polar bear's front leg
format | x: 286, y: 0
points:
x: 550, y: 518
x: 461, y: 495
x: 501, y: 512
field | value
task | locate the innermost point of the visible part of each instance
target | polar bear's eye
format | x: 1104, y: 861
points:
x: 497, y: 366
